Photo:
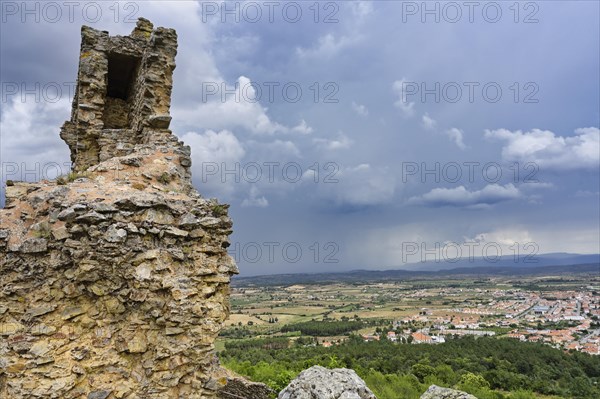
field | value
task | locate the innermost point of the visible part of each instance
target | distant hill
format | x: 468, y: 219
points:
x: 552, y: 259
x: 358, y: 276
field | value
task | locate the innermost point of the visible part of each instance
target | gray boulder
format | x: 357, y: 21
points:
x: 435, y: 392
x: 322, y: 383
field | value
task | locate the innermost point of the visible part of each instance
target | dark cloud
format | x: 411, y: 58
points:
x: 349, y: 135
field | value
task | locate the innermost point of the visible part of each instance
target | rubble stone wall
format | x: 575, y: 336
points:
x: 114, y: 280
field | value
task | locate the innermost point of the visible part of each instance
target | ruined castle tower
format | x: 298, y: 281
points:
x: 114, y: 280
x: 123, y: 92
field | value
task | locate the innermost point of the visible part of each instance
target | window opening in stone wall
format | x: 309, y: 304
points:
x: 122, y: 71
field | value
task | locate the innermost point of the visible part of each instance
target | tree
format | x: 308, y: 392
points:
x: 334, y: 362
x: 582, y: 388
x: 470, y: 380
x: 445, y: 374
x: 421, y: 371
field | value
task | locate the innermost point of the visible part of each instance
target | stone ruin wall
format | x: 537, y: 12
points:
x: 114, y: 281
x: 123, y: 93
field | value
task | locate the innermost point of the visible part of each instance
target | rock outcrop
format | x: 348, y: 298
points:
x: 435, y: 392
x: 114, y: 280
x: 322, y: 383
x: 319, y: 382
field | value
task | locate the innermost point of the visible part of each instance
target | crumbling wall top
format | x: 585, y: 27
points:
x: 123, y: 93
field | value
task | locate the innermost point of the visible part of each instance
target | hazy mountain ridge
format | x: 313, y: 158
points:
x: 358, y: 276
x: 523, y: 260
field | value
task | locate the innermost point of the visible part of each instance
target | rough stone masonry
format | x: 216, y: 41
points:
x: 114, y: 280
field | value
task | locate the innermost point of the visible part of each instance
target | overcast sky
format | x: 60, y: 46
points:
x: 379, y: 127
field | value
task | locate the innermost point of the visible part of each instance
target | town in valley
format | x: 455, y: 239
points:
x: 560, y: 311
